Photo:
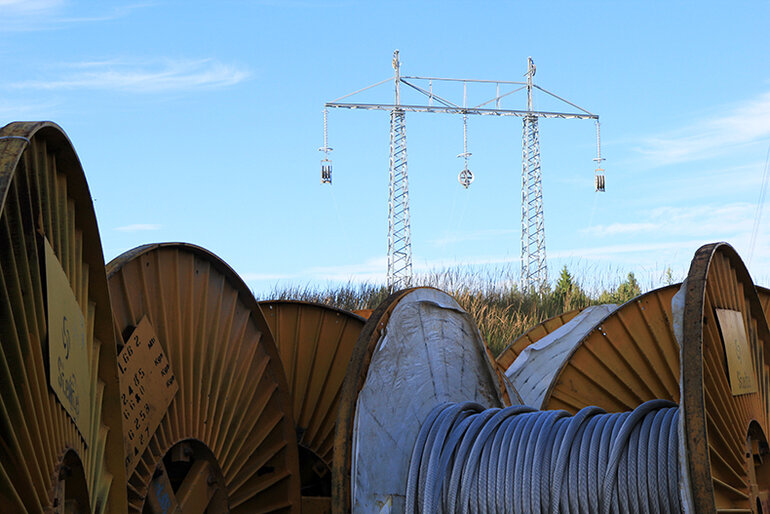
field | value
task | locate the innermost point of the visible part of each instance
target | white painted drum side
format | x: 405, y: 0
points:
x: 538, y: 365
x: 431, y: 352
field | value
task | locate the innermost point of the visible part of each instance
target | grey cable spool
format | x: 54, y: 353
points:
x: 417, y: 349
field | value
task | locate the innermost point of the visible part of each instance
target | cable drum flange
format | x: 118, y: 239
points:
x: 616, y: 360
x: 725, y: 385
x: 59, y: 424
x: 226, y: 441
x: 315, y: 342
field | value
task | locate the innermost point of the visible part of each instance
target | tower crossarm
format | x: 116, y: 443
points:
x: 488, y: 96
x: 463, y: 110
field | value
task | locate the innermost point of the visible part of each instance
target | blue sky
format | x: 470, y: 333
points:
x: 200, y: 122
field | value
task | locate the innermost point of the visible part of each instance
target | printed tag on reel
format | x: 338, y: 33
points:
x: 147, y: 386
x: 739, y: 362
x: 68, y: 359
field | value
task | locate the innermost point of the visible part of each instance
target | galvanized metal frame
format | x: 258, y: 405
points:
x: 534, y: 272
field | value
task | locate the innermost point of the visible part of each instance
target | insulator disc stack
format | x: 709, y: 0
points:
x: 225, y: 439
x: 315, y: 342
x: 59, y: 424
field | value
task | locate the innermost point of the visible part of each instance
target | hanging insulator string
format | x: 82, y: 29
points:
x: 326, y: 163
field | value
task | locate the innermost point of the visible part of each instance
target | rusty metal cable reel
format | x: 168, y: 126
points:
x: 315, y: 342
x: 633, y: 355
x: 534, y: 334
x: 613, y: 357
x: 60, y: 429
x: 725, y: 385
x: 195, y: 341
x: 378, y: 418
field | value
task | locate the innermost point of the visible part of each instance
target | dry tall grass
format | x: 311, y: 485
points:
x: 493, y: 298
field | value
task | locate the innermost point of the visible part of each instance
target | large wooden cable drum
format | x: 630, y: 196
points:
x: 421, y: 333
x: 315, y: 342
x: 226, y: 441
x: 60, y: 426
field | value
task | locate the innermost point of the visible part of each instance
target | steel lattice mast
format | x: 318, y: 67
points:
x: 399, y: 237
x: 534, y: 273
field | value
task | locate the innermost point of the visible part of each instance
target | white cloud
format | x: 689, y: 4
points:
x: 138, y: 227
x: 746, y: 123
x: 714, y: 220
x: 622, y: 228
x: 371, y: 270
x: 161, y: 75
x: 604, y: 252
x: 24, y: 110
x: 31, y: 15
x: 25, y: 7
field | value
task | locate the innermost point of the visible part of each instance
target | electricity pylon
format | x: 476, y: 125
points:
x: 534, y: 272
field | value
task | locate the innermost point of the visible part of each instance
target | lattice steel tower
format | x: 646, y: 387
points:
x: 534, y: 273
x: 399, y: 237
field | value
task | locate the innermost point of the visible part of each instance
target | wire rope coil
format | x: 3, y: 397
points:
x: 517, y: 459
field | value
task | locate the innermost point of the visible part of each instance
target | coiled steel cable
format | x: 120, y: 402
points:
x: 518, y: 460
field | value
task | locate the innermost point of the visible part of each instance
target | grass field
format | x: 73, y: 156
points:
x: 501, y: 309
